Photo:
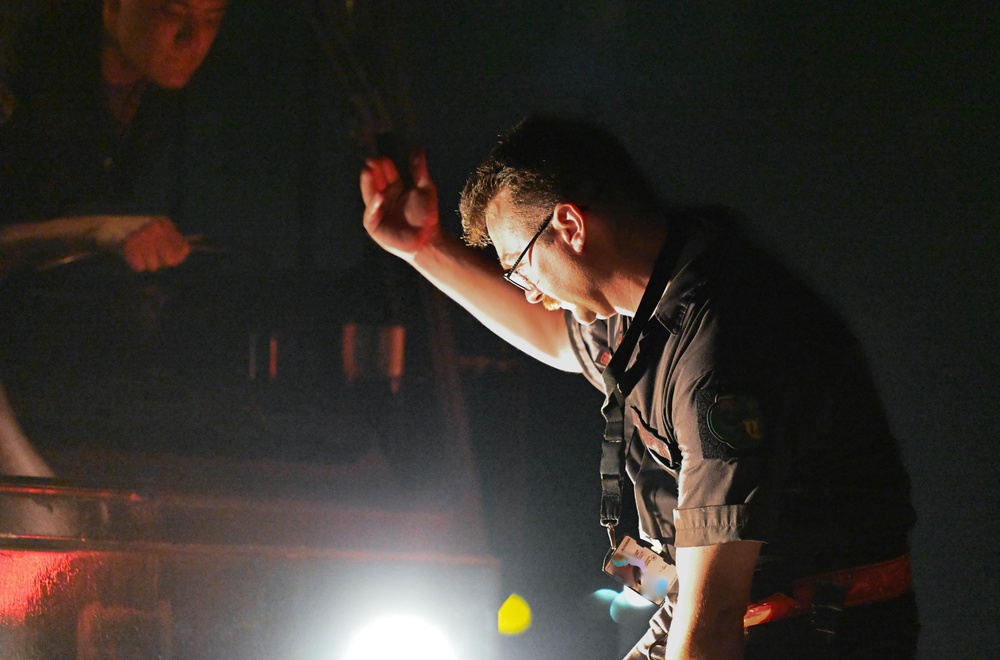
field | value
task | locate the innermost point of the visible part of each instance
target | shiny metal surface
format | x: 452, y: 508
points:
x: 115, y: 573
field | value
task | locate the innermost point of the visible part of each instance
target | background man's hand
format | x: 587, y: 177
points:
x: 155, y: 245
x: 145, y: 242
x: 401, y: 220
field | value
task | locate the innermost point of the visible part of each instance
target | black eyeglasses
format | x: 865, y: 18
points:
x: 511, y: 274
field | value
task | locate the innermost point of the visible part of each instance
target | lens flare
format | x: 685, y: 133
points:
x: 384, y: 638
x: 514, y: 616
x: 625, y: 602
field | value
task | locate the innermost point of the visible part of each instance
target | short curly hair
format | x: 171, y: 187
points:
x: 546, y: 160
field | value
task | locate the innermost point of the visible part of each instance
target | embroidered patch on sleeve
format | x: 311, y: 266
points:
x: 728, y: 424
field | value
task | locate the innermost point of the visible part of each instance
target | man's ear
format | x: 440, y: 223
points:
x: 570, y: 225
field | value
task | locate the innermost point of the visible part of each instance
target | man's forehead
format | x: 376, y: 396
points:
x: 206, y: 6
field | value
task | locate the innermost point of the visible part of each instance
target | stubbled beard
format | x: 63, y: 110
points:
x: 550, y: 303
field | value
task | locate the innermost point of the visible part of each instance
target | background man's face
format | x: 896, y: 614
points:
x: 164, y: 40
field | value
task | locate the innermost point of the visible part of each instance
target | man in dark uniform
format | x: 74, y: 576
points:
x: 738, y: 403
x: 90, y: 114
x: 89, y: 127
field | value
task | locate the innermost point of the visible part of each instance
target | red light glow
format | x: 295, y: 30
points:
x: 26, y: 577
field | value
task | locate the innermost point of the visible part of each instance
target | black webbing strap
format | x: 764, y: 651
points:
x: 613, y: 447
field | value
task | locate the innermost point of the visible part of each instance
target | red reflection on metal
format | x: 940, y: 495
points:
x: 26, y: 577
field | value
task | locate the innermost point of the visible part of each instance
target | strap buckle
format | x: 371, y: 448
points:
x: 611, y: 536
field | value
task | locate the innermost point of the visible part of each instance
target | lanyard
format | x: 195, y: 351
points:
x: 613, y: 447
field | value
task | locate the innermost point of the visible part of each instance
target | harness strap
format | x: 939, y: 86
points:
x: 613, y: 447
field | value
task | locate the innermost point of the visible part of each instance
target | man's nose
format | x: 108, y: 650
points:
x: 195, y: 34
x: 533, y: 295
x: 187, y: 32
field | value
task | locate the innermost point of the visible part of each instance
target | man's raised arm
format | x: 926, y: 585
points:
x: 404, y: 221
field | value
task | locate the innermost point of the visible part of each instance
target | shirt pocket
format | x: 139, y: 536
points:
x: 662, y: 446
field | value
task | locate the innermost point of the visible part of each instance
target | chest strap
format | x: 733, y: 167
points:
x: 613, y: 447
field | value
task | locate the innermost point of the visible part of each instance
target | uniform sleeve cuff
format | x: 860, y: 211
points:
x: 711, y: 525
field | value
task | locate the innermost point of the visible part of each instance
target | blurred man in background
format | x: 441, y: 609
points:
x: 90, y: 118
x: 90, y: 114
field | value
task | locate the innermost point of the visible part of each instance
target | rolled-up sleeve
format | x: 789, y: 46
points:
x: 709, y: 525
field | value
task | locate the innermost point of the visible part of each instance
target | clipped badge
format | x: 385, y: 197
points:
x: 640, y: 569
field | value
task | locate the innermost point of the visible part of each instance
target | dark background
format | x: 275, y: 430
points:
x: 860, y: 139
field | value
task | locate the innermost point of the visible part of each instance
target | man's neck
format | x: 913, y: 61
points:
x: 116, y: 70
x: 124, y: 85
x: 636, y: 258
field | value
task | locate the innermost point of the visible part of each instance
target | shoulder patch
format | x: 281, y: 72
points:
x: 728, y: 424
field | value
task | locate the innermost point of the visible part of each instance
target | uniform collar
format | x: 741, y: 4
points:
x: 670, y: 309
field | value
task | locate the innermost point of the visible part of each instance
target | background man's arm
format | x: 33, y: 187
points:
x: 145, y: 242
x: 714, y: 591
x: 404, y: 221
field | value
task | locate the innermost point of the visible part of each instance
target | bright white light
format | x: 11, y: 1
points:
x: 400, y: 635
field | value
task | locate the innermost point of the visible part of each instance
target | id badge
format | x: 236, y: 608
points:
x: 640, y: 569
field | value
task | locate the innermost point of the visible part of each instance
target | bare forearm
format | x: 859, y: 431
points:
x: 714, y: 636
x: 713, y: 594
x: 475, y: 282
x: 78, y: 231
x: 25, y: 243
